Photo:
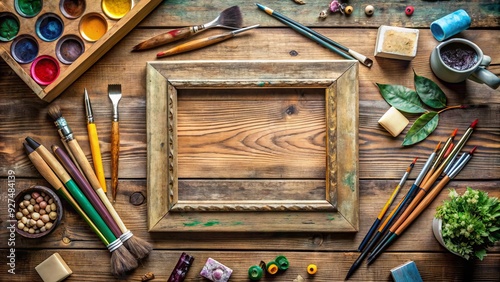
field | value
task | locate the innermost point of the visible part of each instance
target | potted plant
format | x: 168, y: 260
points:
x: 468, y: 224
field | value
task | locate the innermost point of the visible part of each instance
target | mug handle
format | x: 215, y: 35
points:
x: 483, y: 75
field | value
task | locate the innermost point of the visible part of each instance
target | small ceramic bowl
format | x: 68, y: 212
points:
x: 46, y: 194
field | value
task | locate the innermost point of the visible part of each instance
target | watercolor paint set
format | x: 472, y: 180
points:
x: 49, y: 44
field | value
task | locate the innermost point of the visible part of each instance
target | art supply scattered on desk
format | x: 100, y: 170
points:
x: 122, y: 260
x: 94, y: 142
x: 216, y: 271
x: 137, y: 246
x: 393, y: 121
x: 255, y: 272
x: 200, y: 43
x: 53, y: 269
x: 181, y: 268
x: 409, y: 10
x: 230, y: 18
x: 396, y: 43
x: 406, y: 272
x: 312, y: 269
x: 115, y: 95
x: 318, y: 38
x: 148, y: 276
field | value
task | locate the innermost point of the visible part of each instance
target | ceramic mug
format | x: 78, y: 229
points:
x: 457, y: 59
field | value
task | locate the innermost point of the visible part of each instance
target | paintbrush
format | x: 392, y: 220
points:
x: 426, y: 187
x: 200, y: 43
x: 137, y: 246
x: 122, y: 260
x: 318, y: 37
x: 94, y: 142
x: 85, y: 187
x: 386, y: 206
x: 115, y: 95
x: 47, y: 173
x: 423, y: 205
x: 229, y: 18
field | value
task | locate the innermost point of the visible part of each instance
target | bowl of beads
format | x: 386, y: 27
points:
x: 38, y: 211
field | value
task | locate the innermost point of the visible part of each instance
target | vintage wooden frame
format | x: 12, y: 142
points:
x: 338, y: 212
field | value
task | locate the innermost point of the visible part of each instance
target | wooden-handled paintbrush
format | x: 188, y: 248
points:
x: 200, y: 43
x: 229, y: 18
x: 137, y: 246
x: 122, y: 260
x: 115, y: 95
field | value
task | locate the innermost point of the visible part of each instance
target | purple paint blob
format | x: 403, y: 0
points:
x: 69, y: 48
x: 24, y: 49
x: 459, y: 56
x: 49, y: 27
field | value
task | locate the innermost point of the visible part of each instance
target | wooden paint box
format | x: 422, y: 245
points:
x: 51, y: 29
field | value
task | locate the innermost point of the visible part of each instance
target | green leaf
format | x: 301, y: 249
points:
x: 421, y: 128
x: 401, y: 98
x: 429, y: 92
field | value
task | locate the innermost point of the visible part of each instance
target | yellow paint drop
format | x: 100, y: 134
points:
x: 116, y: 9
x: 93, y: 27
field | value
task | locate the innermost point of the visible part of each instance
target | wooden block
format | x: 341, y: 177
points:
x: 406, y: 272
x: 393, y: 121
x: 53, y: 269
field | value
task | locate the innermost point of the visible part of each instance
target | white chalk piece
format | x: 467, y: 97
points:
x: 393, y: 121
x: 53, y: 269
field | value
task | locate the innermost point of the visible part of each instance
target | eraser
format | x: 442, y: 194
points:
x: 406, y: 272
x: 216, y: 271
x: 396, y: 43
x: 393, y: 121
x: 53, y: 269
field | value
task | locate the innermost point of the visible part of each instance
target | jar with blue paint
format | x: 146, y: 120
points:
x: 49, y: 27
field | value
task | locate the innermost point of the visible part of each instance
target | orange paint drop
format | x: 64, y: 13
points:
x: 93, y: 26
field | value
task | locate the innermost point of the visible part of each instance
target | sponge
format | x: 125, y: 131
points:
x: 393, y: 121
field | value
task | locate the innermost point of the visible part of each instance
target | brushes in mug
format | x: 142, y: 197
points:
x: 318, y: 37
x: 47, y: 173
x: 381, y: 214
x: 200, y: 43
x: 137, y: 246
x: 122, y: 260
x: 229, y: 18
x: 423, y: 204
x: 94, y: 142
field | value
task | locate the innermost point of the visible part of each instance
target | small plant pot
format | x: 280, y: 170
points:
x: 437, y: 224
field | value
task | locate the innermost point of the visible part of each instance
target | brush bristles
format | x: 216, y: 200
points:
x: 55, y: 112
x: 231, y: 17
x: 122, y: 262
x: 138, y: 247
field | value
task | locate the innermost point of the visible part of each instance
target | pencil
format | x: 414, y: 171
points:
x: 423, y: 205
x: 318, y: 37
x: 381, y: 214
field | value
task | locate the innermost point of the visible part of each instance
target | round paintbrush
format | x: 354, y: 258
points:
x: 137, y: 246
x: 122, y: 260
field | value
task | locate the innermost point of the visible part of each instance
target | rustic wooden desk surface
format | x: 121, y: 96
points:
x: 381, y: 158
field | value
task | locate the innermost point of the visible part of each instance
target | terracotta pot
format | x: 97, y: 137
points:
x: 437, y: 230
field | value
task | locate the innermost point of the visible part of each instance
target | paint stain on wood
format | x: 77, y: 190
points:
x: 211, y: 223
x: 192, y: 223
x: 350, y: 180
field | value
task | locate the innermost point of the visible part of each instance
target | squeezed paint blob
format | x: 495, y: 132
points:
x: 28, y: 8
x: 72, y: 9
x: 49, y: 27
x: 93, y: 26
x: 9, y: 26
x: 24, y: 49
x: 44, y: 70
x: 69, y: 48
x: 116, y: 9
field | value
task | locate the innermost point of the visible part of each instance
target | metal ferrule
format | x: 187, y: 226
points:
x: 64, y: 129
x: 88, y: 108
x: 459, y: 166
x: 425, y: 169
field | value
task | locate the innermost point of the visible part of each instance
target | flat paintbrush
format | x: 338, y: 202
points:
x: 200, y: 43
x: 122, y: 260
x: 229, y: 18
x: 137, y: 246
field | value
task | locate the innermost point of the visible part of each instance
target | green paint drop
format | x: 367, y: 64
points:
x: 211, y: 223
x: 192, y: 223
